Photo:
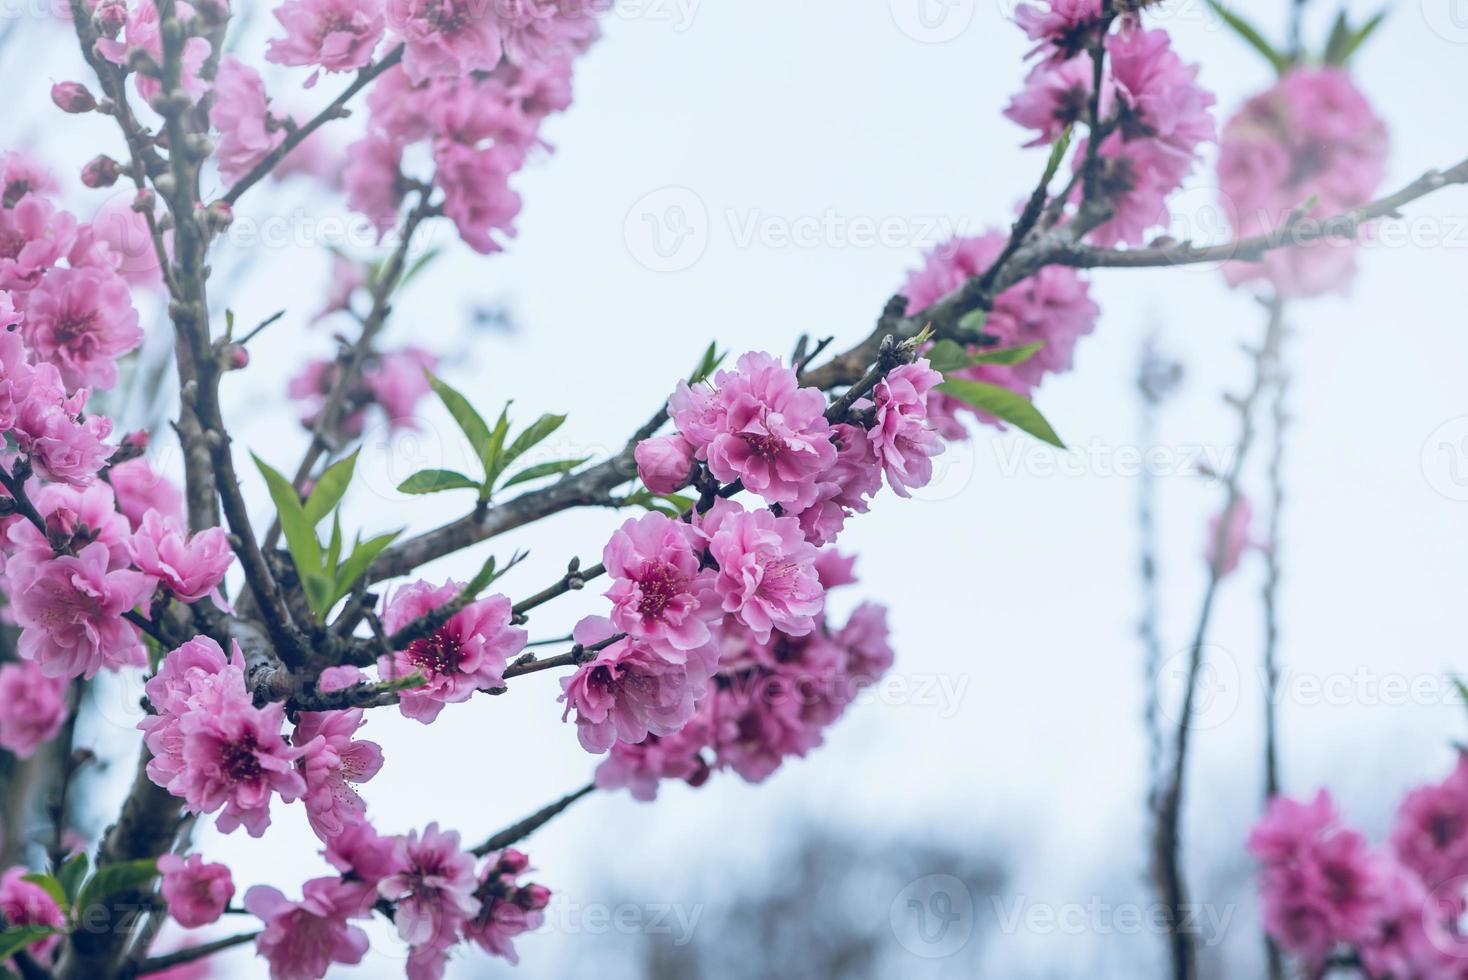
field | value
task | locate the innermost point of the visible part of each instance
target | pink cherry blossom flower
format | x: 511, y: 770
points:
x: 758, y: 724
x: 235, y: 760
x: 1061, y: 27
x: 189, y: 566
x: 466, y: 654
x: 1312, y: 135
x: 1402, y: 942
x: 476, y: 109
x: 33, y: 237
x: 140, y: 488
x: 537, y: 31
x: 660, y: 592
x: 901, y: 436
x: 1236, y: 539
x: 193, y: 676
x: 75, y: 517
x: 445, y: 37
x: 82, y: 320
x: 401, y: 110
x: 1052, y: 307
x: 32, y: 707
x: 476, y: 188
x: 1057, y: 96
x: 767, y: 577
x: 332, y: 767
x: 1430, y: 835
x: 196, y: 893
x: 23, y: 903
x: 664, y: 463
x: 363, y: 858
x: 141, y: 31
x: 628, y: 691
x: 434, y: 886
x: 301, y: 940
x: 843, y: 489
x: 48, y: 427
x: 865, y: 638
x: 371, y: 178
x: 640, y: 766
x: 511, y: 910
x: 397, y: 382
x: 241, y: 114
x: 70, y: 610
x: 338, y: 35
x: 835, y: 569
x: 125, y: 235
x: 767, y: 431
x: 21, y: 175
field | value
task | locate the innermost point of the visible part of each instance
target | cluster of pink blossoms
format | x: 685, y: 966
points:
x: 1053, y: 307
x: 394, y: 381
x: 1154, y: 115
x: 1312, y: 136
x: 1326, y: 889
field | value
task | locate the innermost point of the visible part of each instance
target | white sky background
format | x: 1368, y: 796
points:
x: 1012, y: 579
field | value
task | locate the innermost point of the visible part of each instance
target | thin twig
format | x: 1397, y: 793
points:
x: 518, y: 832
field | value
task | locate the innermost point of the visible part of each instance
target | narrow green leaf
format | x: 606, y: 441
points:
x: 50, y: 885
x: 1251, y: 35
x: 418, y: 266
x: 707, y: 364
x: 1340, y: 36
x: 535, y: 433
x: 362, y: 557
x: 111, y: 879
x: 435, y: 481
x: 1058, y: 149
x: 470, y: 422
x: 300, y: 533
x: 14, y: 940
x: 1007, y: 356
x: 1359, y: 38
x: 491, y: 456
x: 334, y: 550
x: 330, y: 488
x: 1002, y: 404
x: 72, y: 873
x: 543, y: 470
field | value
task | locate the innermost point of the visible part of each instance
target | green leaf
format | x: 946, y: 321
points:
x: 436, y: 481
x: 361, y: 559
x: 1002, y: 404
x: 707, y: 364
x: 1340, y: 36
x: 947, y: 355
x: 300, y: 533
x: 1007, y: 356
x: 1252, y: 36
x: 489, y: 572
x: 1359, y: 38
x: 490, y: 456
x: 470, y: 422
x: 1058, y: 150
x: 536, y: 433
x: 418, y: 266
x: 973, y: 321
x: 330, y: 488
x: 113, y: 878
x: 334, y: 550
x: 50, y: 885
x: 72, y: 873
x: 543, y: 470
x: 14, y: 940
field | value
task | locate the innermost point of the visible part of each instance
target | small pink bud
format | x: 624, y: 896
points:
x: 238, y: 357
x: 72, y: 97
x: 145, y: 201
x: 513, y: 862
x: 219, y: 215
x: 664, y: 463
x: 102, y: 171
x: 137, y: 440
x: 110, y: 17
x: 533, y: 897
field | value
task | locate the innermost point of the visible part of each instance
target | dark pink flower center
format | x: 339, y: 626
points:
x: 11, y: 242
x: 1444, y: 828
x: 767, y: 446
x: 659, y: 585
x: 239, y: 762
x: 74, y: 326
x: 436, y: 654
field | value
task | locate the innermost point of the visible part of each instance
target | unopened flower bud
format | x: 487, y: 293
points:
x: 238, y: 357
x: 110, y: 17
x: 512, y: 862
x: 664, y: 463
x: 72, y: 97
x: 533, y: 897
x: 219, y: 216
x: 145, y: 201
x: 102, y: 171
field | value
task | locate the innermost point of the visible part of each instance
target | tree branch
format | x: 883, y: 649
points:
x: 518, y: 832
